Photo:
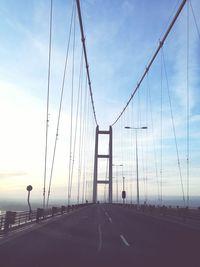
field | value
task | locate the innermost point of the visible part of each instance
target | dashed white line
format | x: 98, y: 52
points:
x: 124, y: 240
x: 110, y: 219
x: 100, y: 238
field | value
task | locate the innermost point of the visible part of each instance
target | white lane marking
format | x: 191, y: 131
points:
x: 109, y: 218
x: 124, y: 240
x: 100, y: 238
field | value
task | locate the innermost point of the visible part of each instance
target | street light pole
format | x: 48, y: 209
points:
x: 117, y: 183
x: 136, y: 155
x: 117, y: 190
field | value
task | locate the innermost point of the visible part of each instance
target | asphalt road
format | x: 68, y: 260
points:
x: 103, y: 235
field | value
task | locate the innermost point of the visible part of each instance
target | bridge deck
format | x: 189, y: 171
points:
x: 102, y: 235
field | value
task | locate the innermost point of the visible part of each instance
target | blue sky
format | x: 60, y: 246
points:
x: 121, y: 36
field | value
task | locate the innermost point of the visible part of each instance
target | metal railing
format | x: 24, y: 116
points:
x: 13, y: 220
x: 181, y: 214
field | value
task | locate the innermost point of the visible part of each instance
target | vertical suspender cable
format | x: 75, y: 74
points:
x: 154, y: 145
x: 131, y: 145
x: 195, y: 20
x: 188, y: 107
x: 142, y: 146
x: 47, y: 107
x: 80, y: 153
x: 72, y: 107
x: 173, y: 125
x: 146, y: 146
x: 84, y: 136
x: 161, y: 134
x: 76, y: 124
x: 198, y: 33
x: 85, y: 145
x: 60, y: 108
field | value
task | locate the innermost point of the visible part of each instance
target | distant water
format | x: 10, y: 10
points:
x: 2, y: 212
x: 17, y: 205
x: 21, y: 205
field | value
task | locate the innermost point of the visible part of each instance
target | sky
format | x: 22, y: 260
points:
x: 121, y: 36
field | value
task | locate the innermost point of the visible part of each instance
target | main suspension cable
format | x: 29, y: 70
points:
x: 85, y: 56
x: 161, y: 43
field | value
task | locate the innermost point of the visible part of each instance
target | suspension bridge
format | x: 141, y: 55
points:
x: 132, y: 191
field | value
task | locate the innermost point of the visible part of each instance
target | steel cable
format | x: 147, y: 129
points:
x: 173, y: 126
x: 47, y: 107
x: 72, y: 107
x: 60, y: 107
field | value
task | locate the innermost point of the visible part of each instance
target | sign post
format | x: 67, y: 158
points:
x: 29, y: 189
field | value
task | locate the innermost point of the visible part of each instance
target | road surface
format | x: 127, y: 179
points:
x: 103, y: 235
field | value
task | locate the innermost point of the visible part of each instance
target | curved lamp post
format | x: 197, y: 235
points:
x: 29, y: 189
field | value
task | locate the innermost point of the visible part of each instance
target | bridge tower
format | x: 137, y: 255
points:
x: 96, y: 157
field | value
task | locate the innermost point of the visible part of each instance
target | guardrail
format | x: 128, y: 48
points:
x: 14, y: 220
x: 183, y: 214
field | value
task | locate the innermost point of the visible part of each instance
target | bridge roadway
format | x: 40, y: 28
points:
x: 102, y: 235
